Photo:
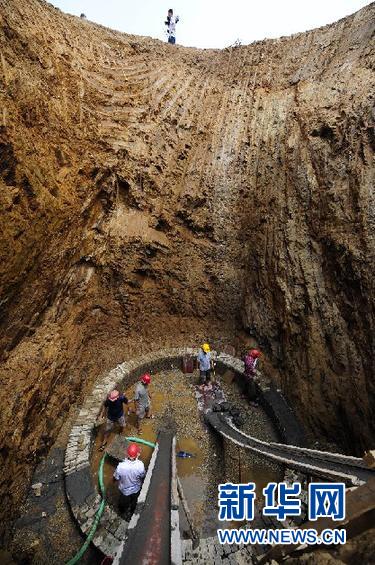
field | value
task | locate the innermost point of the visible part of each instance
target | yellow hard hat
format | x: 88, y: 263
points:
x: 206, y: 347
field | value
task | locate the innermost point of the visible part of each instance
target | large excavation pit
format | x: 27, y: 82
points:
x: 157, y: 196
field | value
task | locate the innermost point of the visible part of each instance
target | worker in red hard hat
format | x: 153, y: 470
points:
x: 142, y: 400
x: 129, y: 474
x: 113, y: 410
x: 251, y: 361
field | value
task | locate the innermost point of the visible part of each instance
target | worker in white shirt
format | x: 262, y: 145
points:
x: 129, y: 474
x: 171, y: 22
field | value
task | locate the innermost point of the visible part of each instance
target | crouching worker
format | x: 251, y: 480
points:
x: 113, y: 410
x: 205, y: 364
x: 251, y: 362
x: 142, y: 400
x: 129, y: 474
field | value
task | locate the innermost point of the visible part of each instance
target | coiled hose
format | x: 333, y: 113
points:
x: 100, y: 510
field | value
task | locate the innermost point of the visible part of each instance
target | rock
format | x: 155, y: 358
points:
x: 37, y: 488
x: 369, y: 459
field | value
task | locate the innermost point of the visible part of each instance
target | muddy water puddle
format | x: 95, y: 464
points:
x: 173, y: 398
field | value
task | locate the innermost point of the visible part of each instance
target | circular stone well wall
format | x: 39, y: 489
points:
x: 83, y: 495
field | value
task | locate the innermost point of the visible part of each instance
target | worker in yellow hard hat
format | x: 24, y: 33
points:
x: 205, y: 363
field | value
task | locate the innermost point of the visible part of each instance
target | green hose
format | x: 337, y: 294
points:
x: 140, y: 440
x: 99, y: 513
x: 100, y: 510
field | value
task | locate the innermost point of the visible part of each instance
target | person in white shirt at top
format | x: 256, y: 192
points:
x: 171, y: 29
x: 129, y: 474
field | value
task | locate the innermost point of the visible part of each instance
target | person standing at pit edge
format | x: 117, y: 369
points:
x: 142, y: 400
x: 251, y: 361
x: 204, y: 363
x: 113, y: 410
x: 129, y: 474
x: 171, y: 29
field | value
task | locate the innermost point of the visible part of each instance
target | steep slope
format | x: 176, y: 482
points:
x: 156, y: 195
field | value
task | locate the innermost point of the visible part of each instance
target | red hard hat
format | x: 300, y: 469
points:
x: 146, y: 379
x: 255, y: 353
x: 133, y: 450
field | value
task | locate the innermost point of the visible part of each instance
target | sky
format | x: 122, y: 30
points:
x: 213, y: 23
